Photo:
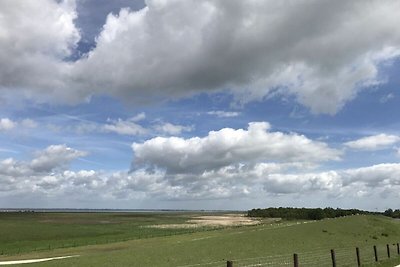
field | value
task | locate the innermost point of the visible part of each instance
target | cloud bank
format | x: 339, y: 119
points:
x: 48, y: 175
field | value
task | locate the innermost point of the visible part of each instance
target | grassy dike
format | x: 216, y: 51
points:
x: 270, y: 243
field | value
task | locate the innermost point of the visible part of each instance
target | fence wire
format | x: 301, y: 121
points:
x: 321, y: 257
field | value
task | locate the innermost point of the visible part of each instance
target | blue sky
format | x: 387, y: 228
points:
x: 199, y: 104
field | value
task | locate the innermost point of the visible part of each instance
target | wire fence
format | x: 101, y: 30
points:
x: 322, y: 257
x: 325, y: 257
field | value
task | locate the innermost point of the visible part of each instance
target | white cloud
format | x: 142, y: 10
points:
x: 374, y: 142
x: 11, y: 167
x: 36, y: 37
x: 375, y: 179
x: 125, y: 127
x: 302, y: 183
x: 244, y: 180
x: 229, y: 146
x: 227, y: 182
x: 306, y: 49
x: 53, y: 157
x: 223, y: 114
x: 6, y: 124
x: 172, y: 129
x: 132, y: 127
x: 91, y: 180
x: 255, y: 49
x: 43, y: 169
x: 48, y: 177
x: 380, y: 175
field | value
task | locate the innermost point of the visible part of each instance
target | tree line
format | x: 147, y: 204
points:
x: 313, y: 213
x: 392, y: 213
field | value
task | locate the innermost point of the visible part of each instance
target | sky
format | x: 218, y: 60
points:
x: 187, y: 104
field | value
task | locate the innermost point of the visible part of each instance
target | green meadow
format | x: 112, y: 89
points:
x: 25, y: 231
x: 125, y: 239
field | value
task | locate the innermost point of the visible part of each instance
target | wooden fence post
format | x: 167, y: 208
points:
x: 333, y: 258
x: 376, y: 254
x: 388, y: 250
x: 398, y: 248
x: 229, y: 264
x: 295, y: 260
x: 358, y: 257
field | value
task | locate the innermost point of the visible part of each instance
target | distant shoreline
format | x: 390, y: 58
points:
x: 72, y: 210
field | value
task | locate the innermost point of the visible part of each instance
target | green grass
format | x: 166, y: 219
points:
x: 26, y: 232
x: 270, y: 243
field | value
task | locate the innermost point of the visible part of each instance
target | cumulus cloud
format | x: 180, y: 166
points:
x: 227, y: 182
x: 241, y: 180
x: 255, y: 49
x: 53, y: 157
x: 374, y: 142
x: 223, y: 114
x: 129, y: 126
x: 44, y: 168
x: 13, y: 168
x: 224, y: 164
x: 301, y: 183
x: 36, y: 38
x: 368, y: 180
x: 265, y: 45
x: 50, y: 177
x: 229, y: 146
x: 374, y: 176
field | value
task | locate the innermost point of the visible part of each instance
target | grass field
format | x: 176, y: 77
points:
x: 25, y: 232
x: 270, y: 243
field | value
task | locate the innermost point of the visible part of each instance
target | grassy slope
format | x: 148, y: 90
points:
x: 311, y: 241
